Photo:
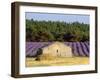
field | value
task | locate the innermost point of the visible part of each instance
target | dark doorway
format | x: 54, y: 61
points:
x: 57, y: 50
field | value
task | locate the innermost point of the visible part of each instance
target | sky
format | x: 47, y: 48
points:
x: 68, y: 18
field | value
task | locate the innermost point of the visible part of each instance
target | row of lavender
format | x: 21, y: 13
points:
x: 78, y: 48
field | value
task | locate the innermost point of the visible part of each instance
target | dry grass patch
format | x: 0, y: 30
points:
x: 56, y: 61
x: 45, y: 57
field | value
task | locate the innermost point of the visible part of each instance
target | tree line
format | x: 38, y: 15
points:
x: 42, y: 31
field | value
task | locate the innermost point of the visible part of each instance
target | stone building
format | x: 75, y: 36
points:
x: 57, y: 49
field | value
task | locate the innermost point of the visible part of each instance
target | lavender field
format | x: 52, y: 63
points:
x: 78, y: 48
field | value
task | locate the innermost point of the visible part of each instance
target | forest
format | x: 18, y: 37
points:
x: 48, y: 31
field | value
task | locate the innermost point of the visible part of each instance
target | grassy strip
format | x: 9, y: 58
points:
x: 30, y: 62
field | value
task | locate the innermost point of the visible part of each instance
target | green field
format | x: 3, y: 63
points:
x: 31, y: 62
